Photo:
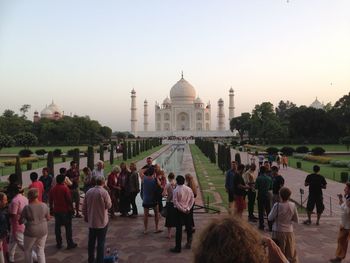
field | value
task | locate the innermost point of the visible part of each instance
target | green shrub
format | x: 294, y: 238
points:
x: 287, y: 150
x: 24, y: 160
x: 234, y: 143
x: 25, y: 153
x: 299, y: 165
x: 57, y: 152
x: 70, y: 152
x: 272, y: 150
x: 318, y: 151
x: 302, y: 149
x: 40, y: 152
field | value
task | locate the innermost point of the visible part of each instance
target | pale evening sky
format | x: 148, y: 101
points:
x: 88, y: 55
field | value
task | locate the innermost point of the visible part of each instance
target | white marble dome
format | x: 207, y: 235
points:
x: 198, y: 101
x: 54, y: 108
x: 182, y: 91
x: 317, y: 105
x: 46, y: 113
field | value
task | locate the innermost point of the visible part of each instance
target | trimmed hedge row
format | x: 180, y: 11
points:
x: 313, y: 158
x: 24, y: 160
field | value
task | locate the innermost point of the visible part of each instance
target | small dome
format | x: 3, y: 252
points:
x: 317, y: 105
x: 182, y: 91
x: 54, y: 108
x: 166, y: 101
x: 198, y: 100
x: 231, y: 90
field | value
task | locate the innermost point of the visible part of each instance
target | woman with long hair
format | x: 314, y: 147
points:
x: 191, y: 184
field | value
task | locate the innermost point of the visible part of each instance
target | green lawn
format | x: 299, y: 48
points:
x: 327, y: 170
x: 15, y: 150
x: 216, y: 177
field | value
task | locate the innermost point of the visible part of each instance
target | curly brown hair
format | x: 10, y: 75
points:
x: 229, y: 240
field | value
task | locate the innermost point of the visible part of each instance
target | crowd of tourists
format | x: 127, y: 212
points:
x: 267, y: 187
x: 24, y: 217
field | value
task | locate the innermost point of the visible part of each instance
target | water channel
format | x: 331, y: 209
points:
x: 169, y: 161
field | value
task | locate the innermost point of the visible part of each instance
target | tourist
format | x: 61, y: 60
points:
x: 170, y: 214
x: 134, y: 188
x: 35, y: 216
x: 261, y: 159
x: 74, y: 175
x: 4, y: 228
x: 183, y: 200
x: 150, y: 185
x: 87, y: 178
x: 249, y: 179
x: 16, y: 206
x: 283, y: 214
x: 36, y: 184
x: 148, y: 169
x: 95, y: 211
x: 112, y: 184
x: 279, y: 160
x: 316, y: 183
x: 277, y: 184
x: 124, y: 198
x: 229, y: 185
x: 159, y: 174
x: 67, y: 181
x: 11, y: 189
x: 285, y: 161
x: 46, y: 179
x: 98, y: 171
x: 239, y: 188
x: 263, y: 184
x: 252, y: 159
x: 230, y: 239
x: 344, y: 229
x: 270, y: 159
x: 191, y: 184
x: 61, y: 207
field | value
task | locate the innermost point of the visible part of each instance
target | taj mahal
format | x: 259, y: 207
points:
x: 183, y: 114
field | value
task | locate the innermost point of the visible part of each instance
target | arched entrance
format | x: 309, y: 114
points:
x: 183, y: 122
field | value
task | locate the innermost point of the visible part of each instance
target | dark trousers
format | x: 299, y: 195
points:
x: 63, y: 219
x: 133, y: 203
x: 99, y: 235
x: 251, y: 202
x: 182, y: 219
x: 264, y: 205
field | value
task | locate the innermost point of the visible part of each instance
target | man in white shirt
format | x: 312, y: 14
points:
x: 344, y: 231
x: 183, y: 200
x: 95, y: 210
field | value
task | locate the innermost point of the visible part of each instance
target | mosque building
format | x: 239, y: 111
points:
x: 52, y: 112
x: 317, y: 105
x: 183, y: 114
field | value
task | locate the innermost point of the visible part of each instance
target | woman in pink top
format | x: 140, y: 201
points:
x: 37, y: 184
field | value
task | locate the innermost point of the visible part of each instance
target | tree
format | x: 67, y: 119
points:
x: 106, y: 132
x: 50, y: 162
x: 24, y: 109
x: 18, y: 170
x: 264, y: 123
x: 102, y: 152
x: 6, y: 141
x: 241, y: 124
x: 25, y: 139
x: 342, y: 110
x: 111, y: 154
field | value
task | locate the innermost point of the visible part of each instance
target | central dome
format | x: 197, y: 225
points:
x: 182, y: 91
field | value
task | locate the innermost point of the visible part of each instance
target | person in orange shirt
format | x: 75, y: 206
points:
x: 37, y: 184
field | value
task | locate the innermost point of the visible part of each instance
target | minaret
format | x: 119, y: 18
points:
x: 221, y: 115
x: 145, y: 115
x: 231, y: 107
x: 133, y: 112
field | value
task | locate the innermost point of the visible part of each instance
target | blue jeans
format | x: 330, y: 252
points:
x: 98, y: 234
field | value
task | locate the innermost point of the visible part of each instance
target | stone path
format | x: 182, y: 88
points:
x: 314, y: 244
x: 295, y: 178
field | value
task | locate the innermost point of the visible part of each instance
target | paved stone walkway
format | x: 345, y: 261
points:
x: 315, y: 244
